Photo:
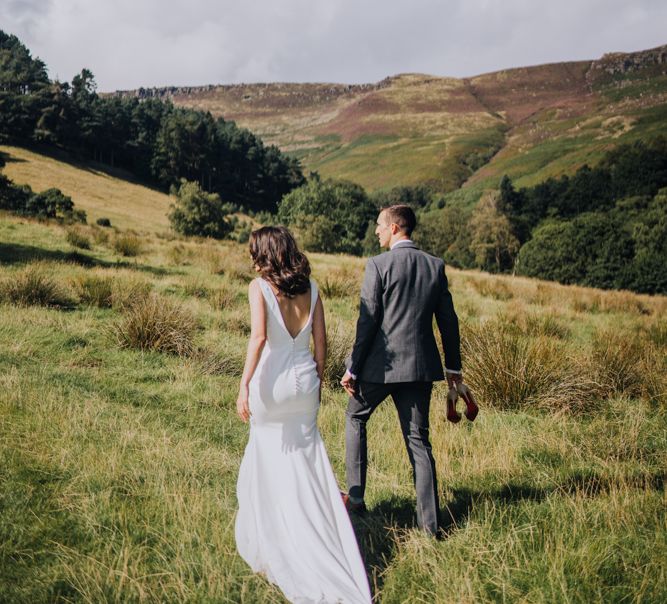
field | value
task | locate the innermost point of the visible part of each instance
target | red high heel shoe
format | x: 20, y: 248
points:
x: 452, y: 414
x: 471, y: 405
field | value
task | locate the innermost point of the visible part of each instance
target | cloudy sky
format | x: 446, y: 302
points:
x: 132, y: 43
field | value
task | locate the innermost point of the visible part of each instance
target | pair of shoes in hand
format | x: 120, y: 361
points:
x: 471, y: 405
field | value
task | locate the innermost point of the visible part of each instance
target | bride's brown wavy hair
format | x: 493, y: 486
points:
x: 274, y: 250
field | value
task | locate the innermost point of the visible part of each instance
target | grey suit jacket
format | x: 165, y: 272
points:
x: 402, y: 291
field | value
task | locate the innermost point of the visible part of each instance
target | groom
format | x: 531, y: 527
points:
x: 395, y: 354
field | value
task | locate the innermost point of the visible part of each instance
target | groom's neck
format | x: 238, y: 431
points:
x: 396, y: 238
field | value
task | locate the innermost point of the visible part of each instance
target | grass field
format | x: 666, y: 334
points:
x: 119, y: 458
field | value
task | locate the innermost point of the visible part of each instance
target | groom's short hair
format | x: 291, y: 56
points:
x: 403, y: 216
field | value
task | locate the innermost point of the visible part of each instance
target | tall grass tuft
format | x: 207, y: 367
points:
x: 128, y: 291
x: 77, y: 238
x: 33, y: 286
x: 100, y: 236
x: 95, y: 290
x: 615, y: 358
x: 221, y: 298
x: 340, y: 339
x: 652, y: 369
x: 337, y: 286
x: 510, y: 371
x: 229, y: 262
x: 228, y: 362
x: 127, y: 244
x: 157, y: 323
x: 179, y: 255
x: 238, y: 321
x: 656, y: 332
x: 492, y: 288
x: 196, y: 288
x: 534, y: 324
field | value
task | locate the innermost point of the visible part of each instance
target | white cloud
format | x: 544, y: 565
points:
x: 132, y: 43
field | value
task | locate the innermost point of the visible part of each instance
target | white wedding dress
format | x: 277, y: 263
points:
x: 292, y: 525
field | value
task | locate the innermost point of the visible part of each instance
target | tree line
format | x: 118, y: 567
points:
x: 604, y: 227
x: 151, y: 138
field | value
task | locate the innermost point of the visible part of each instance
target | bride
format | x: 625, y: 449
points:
x: 292, y: 525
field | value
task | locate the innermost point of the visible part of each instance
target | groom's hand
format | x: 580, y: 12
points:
x: 349, y: 383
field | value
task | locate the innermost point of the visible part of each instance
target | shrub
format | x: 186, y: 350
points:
x: 195, y: 212
x: 103, y: 222
x: 157, y: 323
x: 32, y: 286
x: 49, y: 204
x: 127, y: 244
x: 331, y: 215
x: 52, y: 203
x: 446, y: 234
x: 78, y: 239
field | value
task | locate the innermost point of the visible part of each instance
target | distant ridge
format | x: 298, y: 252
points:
x: 530, y: 122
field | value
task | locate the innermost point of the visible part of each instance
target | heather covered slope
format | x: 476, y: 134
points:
x: 530, y: 122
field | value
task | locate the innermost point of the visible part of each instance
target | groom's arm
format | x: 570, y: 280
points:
x: 448, y: 325
x: 370, y: 318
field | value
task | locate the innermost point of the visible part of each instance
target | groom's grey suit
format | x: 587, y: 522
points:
x: 395, y: 353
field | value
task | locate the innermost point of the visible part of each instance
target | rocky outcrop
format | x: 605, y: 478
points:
x: 622, y: 63
x: 247, y: 92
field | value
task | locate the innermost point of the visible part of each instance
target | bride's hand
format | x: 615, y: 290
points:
x: 242, y: 405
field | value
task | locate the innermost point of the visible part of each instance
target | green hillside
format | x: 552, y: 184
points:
x: 98, y: 190
x: 530, y: 123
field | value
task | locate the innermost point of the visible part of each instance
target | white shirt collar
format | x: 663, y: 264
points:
x: 399, y: 243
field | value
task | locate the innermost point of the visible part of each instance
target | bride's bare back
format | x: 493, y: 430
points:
x: 295, y: 311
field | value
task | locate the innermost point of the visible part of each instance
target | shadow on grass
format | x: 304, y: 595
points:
x: 379, y: 531
x: 14, y: 253
x: 8, y: 158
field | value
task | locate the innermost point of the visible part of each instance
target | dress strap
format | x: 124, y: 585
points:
x: 267, y: 294
x: 313, y: 298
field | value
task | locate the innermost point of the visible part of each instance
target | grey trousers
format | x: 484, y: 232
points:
x: 412, y: 401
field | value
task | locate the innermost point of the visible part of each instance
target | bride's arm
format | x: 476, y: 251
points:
x: 255, y: 347
x: 319, y: 337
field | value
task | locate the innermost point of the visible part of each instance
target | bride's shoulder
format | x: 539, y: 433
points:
x: 256, y: 285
